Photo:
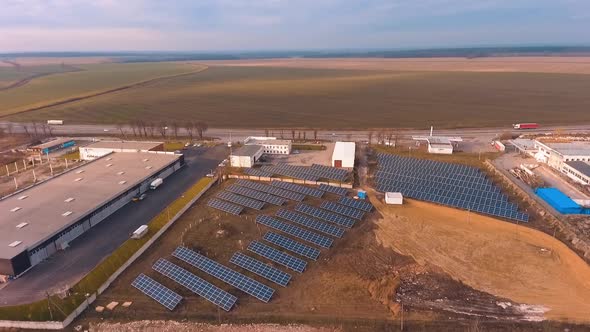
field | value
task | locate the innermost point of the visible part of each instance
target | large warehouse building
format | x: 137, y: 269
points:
x: 53, y: 145
x: 42, y: 219
x: 101, y: 148
x: 246, y: 156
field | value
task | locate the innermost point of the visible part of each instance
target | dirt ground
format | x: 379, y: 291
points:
x: 165, y: 326
x: 493, y: 256
x: 573, y: 65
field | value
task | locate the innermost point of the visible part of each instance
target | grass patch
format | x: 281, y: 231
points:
x: 39, y: 311
x: 74, y: 155
x: 173, y: 146
x: 314, y: 147
x: 251, y: 97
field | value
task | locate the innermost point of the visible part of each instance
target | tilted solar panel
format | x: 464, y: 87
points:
x: 356, y: 203
x: 333, y: 190
x: 295, y: 231
x: 225, y: 206
x: 343, y: 210
x: 257, y: 267
x: 311, y: 223
x: 325, y: 215
x: 292, y: 245
x: 241, y: 200
x: 277, y: 256
x: 157, y: 291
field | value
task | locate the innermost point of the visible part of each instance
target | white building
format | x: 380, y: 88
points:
x: 578, y: 171
x: 101, y: 148
x: 439, y: 144
x: 246, y: 156
x: 344, y: 154
x: 394, y: 198
x: 271, y: 145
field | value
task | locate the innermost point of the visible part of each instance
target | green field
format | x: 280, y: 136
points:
x: 11, y: 74
x: 246, y: 97
x: 91, y: 79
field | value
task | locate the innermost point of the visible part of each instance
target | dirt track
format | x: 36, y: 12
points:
x: 572, y: 65
x: 497, y: 257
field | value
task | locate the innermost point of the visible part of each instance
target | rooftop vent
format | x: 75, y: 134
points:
x: 109, y: 165
x: 120, y: 173
x: 15, y: 209
x: 15, y: 243
x: 80, y: 171
x: 21, y: 225
x: 145, y: 160
x: 148, y: 167
x: 109, y: 159
x: 78, y: 179
x: 67, y: 213
x: 23, y: 197
x: 69, y: 199
x: 122, y: 182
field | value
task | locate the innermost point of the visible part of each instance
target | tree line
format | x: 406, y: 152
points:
x: 142, y: 128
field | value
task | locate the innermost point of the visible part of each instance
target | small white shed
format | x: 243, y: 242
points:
x: 343, y: 155
x: 394, y: 198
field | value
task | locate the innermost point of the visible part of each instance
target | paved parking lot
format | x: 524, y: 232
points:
x: 64, y: 269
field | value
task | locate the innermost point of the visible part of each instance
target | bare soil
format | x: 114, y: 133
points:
x: 572, y: 65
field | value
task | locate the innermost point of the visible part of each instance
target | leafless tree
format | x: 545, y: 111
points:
x: 282, y: 134
x: 35, y: 129
x: 188, y: 126
x: 132, y: 125
x: 315, y: 134
x: 266, y: 133
x: 120, y: 127
x: 370, y: 137
x: 304, y: 134
x: 391, y: 136
x: 379, y: 137
x: 175, y: 127
x: 151, y: 127
x: 163, y: 127
x: 299, y: 135
x: 26, y: 129
x: 201, y: 128
x: 292, y: 134
x: 50, y: 130
x: 9, y: 128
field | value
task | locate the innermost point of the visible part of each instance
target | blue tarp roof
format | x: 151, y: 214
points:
x: 559, y: 201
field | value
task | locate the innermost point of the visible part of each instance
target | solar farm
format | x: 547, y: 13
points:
x: 447, y: 184
x: 314, y: 172
x: 297, y: 225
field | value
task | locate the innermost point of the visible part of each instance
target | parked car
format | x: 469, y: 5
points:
x: 139, y: 198
x: 210, y: 175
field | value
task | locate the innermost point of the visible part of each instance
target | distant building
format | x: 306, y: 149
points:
x: 578, y: 171
x: 271, y: 145
x: 344, y: 154
x: 101, y: 148
x: 53, y: 145
x: 246, y: 156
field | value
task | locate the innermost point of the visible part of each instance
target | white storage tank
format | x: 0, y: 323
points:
x: 394, y: 198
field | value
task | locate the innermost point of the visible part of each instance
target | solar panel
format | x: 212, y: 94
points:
x: 356, y: 203
x: 268, y: 198
x: 295, y: 231
x: 325, y: 215
x: 157, y: 291
x: 277, y: 256
x: 225, y: 206
x: 298, y: 188
x: 271, y: 190
x: 310, y: 222
x: 203, y: 288
x: 291, y: 245
x: 225, y: 274
x: 241, y: 200
x: 343, y: 210
x: 257, y: 172
x: 333, y: 190
x: 257, y: 267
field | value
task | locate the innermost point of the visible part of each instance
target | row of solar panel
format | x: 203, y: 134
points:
x: 498, y: 196
x: 257, y: 172
x: 480, y: 197
x: 324, y: 172
x: 486, y: 209
x: 333, y: 190
x: 444, y: 171
x: 271, y: 190
x: 290, y: 173
x: 480, y: 183
x: 298, y: 188
x: 436, y: 166
x: 389, y: 158
x: 261, y: 196
x: 325, y: 215
x: 241, y: 200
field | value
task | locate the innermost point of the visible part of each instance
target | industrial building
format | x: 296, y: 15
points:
x: 344, y: 154
x: 53, y: 145
x: 101, y: 148
x: 246, y: 156
x: 271, y: 145
x: 439, y: 144
x: 40, y: 220
x: 578, y: 171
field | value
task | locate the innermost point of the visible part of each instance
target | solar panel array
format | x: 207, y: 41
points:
x: 210, y: 292
x: 277, y: 256
x: 313, y: 173
x: 334, y: 190
x: 157, y: 291
x: 325, y: 215
x: 271, y: 190
x: 445, y: 183
x: 291, y: 245
x: 295, y: 231
x: 311, y: 223
x: 225, y: 274
x: 257, y: 267
x: 298, y: 188
x: 241, y: 200
x: 225, y: 206
x: 268, y: 198
x: 343, y: 210
x: 257, y: 172
x: 356, y: 203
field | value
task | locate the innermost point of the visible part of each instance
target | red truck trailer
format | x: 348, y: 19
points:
x: 525, y: 125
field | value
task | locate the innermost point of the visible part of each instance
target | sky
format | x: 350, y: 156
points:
x: 223, y: 25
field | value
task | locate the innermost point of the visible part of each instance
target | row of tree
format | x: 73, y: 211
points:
x: 35, y: 129
x: 295, y: 134
x: 142, y: 128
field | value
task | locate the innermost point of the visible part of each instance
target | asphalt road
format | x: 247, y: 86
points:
x: 64, y: 269
x: 225, y: 134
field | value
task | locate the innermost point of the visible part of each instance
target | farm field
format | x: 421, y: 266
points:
x: 11, y: 75
x: 272, y: 97
x: 89, y: 79
x: 382, y: 259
